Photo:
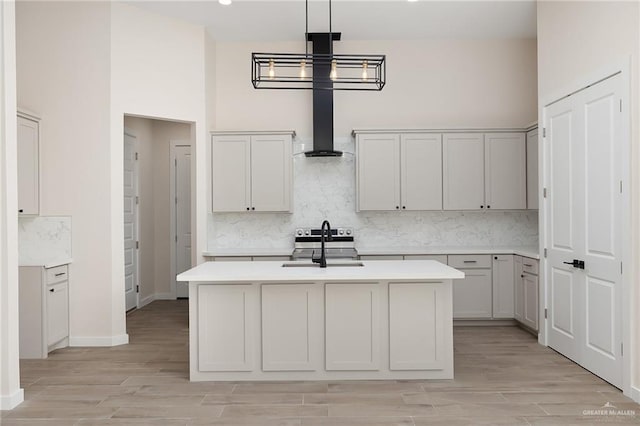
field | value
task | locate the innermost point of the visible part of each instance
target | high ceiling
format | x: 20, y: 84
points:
x: 268, y: 20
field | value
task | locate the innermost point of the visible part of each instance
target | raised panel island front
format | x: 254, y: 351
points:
x: 296, y: 321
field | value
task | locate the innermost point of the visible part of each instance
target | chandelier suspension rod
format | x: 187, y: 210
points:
x: 306, y: 28
x: 330, y: 32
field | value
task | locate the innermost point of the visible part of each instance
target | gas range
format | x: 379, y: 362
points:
x: 342, y: 246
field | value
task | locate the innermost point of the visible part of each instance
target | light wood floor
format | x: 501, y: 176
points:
x: 503, y: 377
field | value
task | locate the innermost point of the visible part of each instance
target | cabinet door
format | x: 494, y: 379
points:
x: 352, y: 313
x: 503, y: 286
x: 378, y: 172
x: 505, y: 171
x: 421, y: 171
x: 530, y: 301
x: 28, y: 167
x: 415, y: 324
x: 225, y: 332
x: 472, y: 295
x: 290, y: 320
x: 231, y: 173
x: 519, y: 288
x: 57, y: 312
x: 442, y: 258
x: 532, y: 169
x: 271, y: 160
x: 463, y: 171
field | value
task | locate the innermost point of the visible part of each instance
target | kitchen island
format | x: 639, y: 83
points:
x: 296, y: 321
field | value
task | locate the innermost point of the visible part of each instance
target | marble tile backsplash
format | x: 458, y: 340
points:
x: 44, y: 238
x: 324, y: 188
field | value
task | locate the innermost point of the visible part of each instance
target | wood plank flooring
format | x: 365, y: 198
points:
x: 503, y: 377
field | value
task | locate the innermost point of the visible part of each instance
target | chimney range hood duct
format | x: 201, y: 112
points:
x: 322, y: 98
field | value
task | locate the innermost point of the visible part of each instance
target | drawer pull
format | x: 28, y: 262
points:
x: 60, y: 273
x: 470, y: 261
x: 528, y: 265
x: 52, y: 290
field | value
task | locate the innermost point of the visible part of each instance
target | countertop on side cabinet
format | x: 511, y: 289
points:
x: 241, y: 252
x: 526, y: 251
x: 48, y: 263
x: 374, y: 270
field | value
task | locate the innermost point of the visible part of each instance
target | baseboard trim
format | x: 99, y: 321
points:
x: 123, y: 339
x: 635, y: 394
x: 484, y: 323
x: 10, y: 402
x: 144, y: 302
x: 165, y: 296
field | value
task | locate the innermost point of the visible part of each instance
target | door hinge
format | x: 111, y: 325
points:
x: 545, y: 313
x: 620, y: 105
x: 176, y: 238
x: 175, y: 162
x: 137, y: 244
x: 621, y: 349
x: 620, y: 268
x: 136, y: 155
x: 545, y: 252
x: 137, y: 200
x: 137, y: 289
x: 621, y: 187
x: 544, y: 192
x: 544, y: 132
x: 176, y: 200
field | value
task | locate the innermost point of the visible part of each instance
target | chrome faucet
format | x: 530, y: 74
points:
x: 322, y: 260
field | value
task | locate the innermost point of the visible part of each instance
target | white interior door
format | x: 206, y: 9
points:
x: 130, y: 222
x: 584, y: 214
x: 182, y: 203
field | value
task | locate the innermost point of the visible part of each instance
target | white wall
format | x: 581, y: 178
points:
x: 577, y: 41
x: 435, y: 83
x: 64, y: 76
x: 10, y: 392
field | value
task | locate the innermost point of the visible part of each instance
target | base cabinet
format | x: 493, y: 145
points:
x: 526, y: 291
x: 44, y: 310
x: 472, y: 295
x: 503, y: 286
x: 530, y: 291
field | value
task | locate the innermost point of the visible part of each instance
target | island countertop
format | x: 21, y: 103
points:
x: 273, y: 271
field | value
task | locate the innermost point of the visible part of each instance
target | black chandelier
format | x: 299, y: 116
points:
x: 321, y: 69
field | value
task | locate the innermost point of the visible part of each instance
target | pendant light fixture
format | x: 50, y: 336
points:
x: 319, y: 70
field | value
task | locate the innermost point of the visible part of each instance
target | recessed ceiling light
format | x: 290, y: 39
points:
x: 224, y: 2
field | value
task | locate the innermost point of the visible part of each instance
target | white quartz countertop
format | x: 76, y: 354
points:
x: 374, y: 270
x: 531, y: 252
x: 49, y: 263
x: 240, y: 252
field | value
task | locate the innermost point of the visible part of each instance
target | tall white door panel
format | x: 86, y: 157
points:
x: 271, y: 173
x: 378, y: 173
x: 231, y: 173
x: 182, y: 203
x: 584, y: 223
x: 463, y: 171
x: 505, y: 171
x: 421, y: 171
x: 130, y: 222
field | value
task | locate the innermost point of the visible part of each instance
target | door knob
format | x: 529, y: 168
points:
x: 576, y: 263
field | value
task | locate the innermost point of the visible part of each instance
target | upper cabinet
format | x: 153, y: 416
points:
x: 28, y: 164
x: 484, y: 171
x: 252, y: 172
x: 532, y: 169
x: 399, y: 171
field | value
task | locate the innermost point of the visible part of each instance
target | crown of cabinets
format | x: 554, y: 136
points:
x: 28, y: 164
x: 252, y: 172
x: 444, y: 171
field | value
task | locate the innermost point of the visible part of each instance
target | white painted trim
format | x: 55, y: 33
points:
x: 525, y: 129
x: 144, y: 302
x: 103, y: 341
x: 9, y: 402
x: 165, y: 296
x: 635, y: 394
x: 172, y: 208
x: 252, y: 132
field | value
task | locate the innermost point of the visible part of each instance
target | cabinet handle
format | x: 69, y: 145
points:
x: 469, y: 261
x: 397, y: 207
x: 488, y: 206
x: 21, y: 211
x: 522, y: 276
x: 528, y: 265
x: 248, y: 208
x: 59, y: 273
x: 253, y: 208
x: 482, y: 207
x: 52, y: 290
x: 496, y: 258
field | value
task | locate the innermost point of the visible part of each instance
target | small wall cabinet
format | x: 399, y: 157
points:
x: 399, y: 171
x: 44, y: 310
x: 28, y: 164
x: 532, y: 169
x: 252, y: 171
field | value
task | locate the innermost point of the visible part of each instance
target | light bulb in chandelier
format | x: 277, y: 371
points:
x: 334, y: 71
x: 303, y: 69
x: 365, y: 74
x: 272, y: 70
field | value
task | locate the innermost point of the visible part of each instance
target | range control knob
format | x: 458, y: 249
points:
x: 298, y: 232
x: 307, y: 232
x: 348, y: 231
x: 341, y: 231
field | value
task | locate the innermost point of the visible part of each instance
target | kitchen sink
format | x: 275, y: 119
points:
x: 330, y: 264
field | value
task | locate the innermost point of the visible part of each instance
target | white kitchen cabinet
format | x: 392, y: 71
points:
x: 415, y: 325
x: 44, y: 310
x: 251, y: 172
x: 503, y: 286
x: 472, y: 295
x: 352, y: 337
x: 226, y: 327
x: 442, y: 258
x: 505, y: 171
x: 518, y: 312
x: 28, y: 164
x: 530, y: 287
x: 463, y: 171
x: 381, y: 257
x: 399, y: 171
x: 290, y: 335
x: 532, y: 169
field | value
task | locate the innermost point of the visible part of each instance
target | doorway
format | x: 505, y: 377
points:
x: 180, y: 214
x: 131, y: 244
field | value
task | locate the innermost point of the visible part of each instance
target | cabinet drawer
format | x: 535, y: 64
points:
x: 57, y: 274
x: 470, y: 260
x: 442, y: 258
x: 530, y: 265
